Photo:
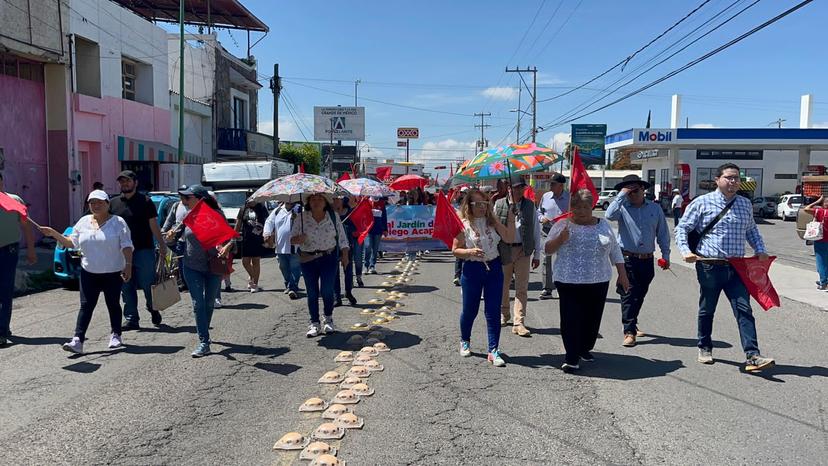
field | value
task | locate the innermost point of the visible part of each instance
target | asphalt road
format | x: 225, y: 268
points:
x: 152, y: 404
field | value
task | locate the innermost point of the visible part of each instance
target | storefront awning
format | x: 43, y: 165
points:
x: 136, y: 150
x: 216, y: 13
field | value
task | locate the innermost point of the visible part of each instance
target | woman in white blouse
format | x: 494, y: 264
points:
x: 104, y: 240
x: 322, y: 244
x: 482, y: 270
x: 587, y: 250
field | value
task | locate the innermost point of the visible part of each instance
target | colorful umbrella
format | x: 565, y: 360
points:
x: 406, y: 182
x: 297, y: 187
x: 367, y: 187
x: 514, y: 159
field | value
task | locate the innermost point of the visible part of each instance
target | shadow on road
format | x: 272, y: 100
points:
x: 281, y: 369
x: 652, y: 339
x: 419, y: 288
x: 243, y: 306
x: 339, y: 341
x: 546, y: 331
x: 164, y: 328
x: 780, y: 369
x: 231, y: 349
x: 86, y: 367
x: 37, y: 341
x: 627, y: 367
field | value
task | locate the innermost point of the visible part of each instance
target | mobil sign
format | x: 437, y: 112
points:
x: 654, y: 136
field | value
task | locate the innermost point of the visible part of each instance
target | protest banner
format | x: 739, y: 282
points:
x: 410, y: 228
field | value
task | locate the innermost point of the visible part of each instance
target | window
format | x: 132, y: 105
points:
x: 239, y: 113
x: 651, y: 179
x: 705, y: 181
x: 707, y: 154
x: 88, y: 69
x: 756, y: 174
x: 136, y: 81
x: 665, y: 179
x: 128, y: 73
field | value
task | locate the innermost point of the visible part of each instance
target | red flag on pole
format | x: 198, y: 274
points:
x: 754, y: 274
x: 345, y: 176
x: 363, y: 219
x: 446, y: 222
x: 383, y: 173
x: 209, y: 227
x: 529, y: 193
x: 301, y: 168
x: 9, y: 204
x: 580, y: 178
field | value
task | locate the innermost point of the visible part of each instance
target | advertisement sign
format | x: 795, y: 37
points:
x: 348, y: 123
x: 685, y: 181
x: 590, y: 141
x: 409, y: 229
x: 408, y: 133
x: 654, y: 136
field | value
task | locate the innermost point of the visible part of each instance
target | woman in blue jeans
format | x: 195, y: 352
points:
x: 201, y: 282
x: 372, y: 241
x: 819, y: 209
x: 482, y: 270
x: 322, y: 245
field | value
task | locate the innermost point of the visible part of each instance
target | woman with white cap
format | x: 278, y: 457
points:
x: 105, y: 242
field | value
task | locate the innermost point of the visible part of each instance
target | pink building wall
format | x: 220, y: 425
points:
x: 23, y: 139
x: 98, y: 122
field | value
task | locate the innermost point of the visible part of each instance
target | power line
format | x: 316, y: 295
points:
x: 554, y: 13
x: 549, y: 42
x: 690, y: 64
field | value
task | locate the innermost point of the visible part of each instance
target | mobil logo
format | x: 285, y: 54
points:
x: 655, y: 136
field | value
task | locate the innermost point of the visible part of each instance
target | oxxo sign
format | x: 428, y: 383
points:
x: 653, y: 135
x: 408, y: 133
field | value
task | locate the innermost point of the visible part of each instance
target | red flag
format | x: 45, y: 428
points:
x: 301, y: 168
x: 363, y: 219
x: 580, y: 178
x: 9, y: 204
x: 754, y: 274
x: 383, y: 173
x: 529, y: 193
x: 345, y: 176
x: 446, y: 222
x: 209, y: 227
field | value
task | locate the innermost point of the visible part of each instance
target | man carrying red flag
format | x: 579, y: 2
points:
x: 718, y: 224
x: 13, y: 218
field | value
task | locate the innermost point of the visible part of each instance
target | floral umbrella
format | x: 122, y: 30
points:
x: 514, y: 159
x: 367, y: 187
x: 297, y: 187
x: 406, y: 182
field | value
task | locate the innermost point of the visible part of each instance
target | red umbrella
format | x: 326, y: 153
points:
x: 406, y: 182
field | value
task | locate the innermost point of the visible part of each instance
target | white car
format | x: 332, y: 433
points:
x: 788, y: 206
x: 605, y: 197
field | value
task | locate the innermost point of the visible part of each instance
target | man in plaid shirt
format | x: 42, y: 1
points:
x: 714, y: 272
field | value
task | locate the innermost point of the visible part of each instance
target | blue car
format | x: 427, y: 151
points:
x: 67, y: 262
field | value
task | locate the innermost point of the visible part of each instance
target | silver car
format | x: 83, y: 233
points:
x: 605, y: 197
x: 764, y: 207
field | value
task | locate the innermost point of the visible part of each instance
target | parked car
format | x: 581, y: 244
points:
x: 605, y: 197
x: 764, y: 207
x: 231, y: 201
x: 788, y: 206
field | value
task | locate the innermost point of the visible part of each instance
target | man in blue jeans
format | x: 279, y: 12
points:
x: 726, y: 238
x: 277, y: 234
x: 10, y: 225
x: 374, y: 237
x: 140, y: 215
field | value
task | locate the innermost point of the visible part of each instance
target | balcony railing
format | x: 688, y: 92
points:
x: 232, y: 139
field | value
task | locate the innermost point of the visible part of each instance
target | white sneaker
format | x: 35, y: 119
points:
x: 465, y: 349
x: 705, y: 356
x: 328, y: 325
x: 217, y: 304
x: 313, y: 330
x: 115, y: 341
x: 74, y: 346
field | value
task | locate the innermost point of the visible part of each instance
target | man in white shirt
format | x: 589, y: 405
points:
x: 676, y: 205
x: 277, y: 233
x: 553, y: 203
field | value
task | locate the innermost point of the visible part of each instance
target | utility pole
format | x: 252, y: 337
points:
x: 180, y: 92
x: 482, y: 127
x: 534, y: 92
x: 276, y: 87
x: 356, y: 143
x: 331, y: 151
x: 778, y: 122
x: 519, y: 109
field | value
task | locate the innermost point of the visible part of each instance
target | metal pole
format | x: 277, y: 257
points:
x: 276, y: 86
x: 330, y: 152
x: 180, y: 93
x: 517, y: 136
x: 356, y: 143
x: 534, y: 102
x: 407, y: 146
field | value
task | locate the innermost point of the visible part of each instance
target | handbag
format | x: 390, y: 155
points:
x: 165, y: 289
x: 694, y: 237
x: 814, y: 230
x: 219, y: 265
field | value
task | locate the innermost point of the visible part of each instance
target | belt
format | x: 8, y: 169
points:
x: 715, y: 261
x: 320, y: 252
x: 636, y: 255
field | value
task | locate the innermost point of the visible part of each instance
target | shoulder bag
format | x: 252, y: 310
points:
x: 694, y: 238
x: 814, y: 230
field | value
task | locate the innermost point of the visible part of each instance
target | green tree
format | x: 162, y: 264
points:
x: 307, y: 154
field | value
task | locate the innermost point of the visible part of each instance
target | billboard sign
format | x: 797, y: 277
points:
x: 590, y: 141
x: 348, y: 123
x: 647, y: 136
x: 408, y: 133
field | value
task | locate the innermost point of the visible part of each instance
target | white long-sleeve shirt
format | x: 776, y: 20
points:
x: 278, y: 225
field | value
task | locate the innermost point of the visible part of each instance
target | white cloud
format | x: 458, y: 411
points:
x: 558, y: 141
x: 703, y: 125
x: 500, y: 93
x: 549, y: 79
x: 824, y: 124
x: 288, y: 131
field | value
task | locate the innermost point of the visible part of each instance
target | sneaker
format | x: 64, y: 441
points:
x: 115, y: 341
x: 156, y: 318
x: 587, y: 357
x: 456, y: 281
x: 130, y: 325
x: 465, y: 349
x: 74, y: 346
x: 313, y: 330
x: 203, y: 349
x: 217, y: 304
x: 504, y: 321
x: 639, y: 333
x: 521, y: 331
x: 3, y: 341
x: 373, y: 271
x: 293, y: 295
x: 822, y: 287
x: 569, y: 368
x: 359, y: 282
x: 328, y: 326
x: 549, y: 294
x: 254, y: 288
x: 338, y: 302
x: 287, y: 290
x: 351, y: 299
x: 705, y: 356
x: 629, y: 340
x: 757, y: 362
x: 495, y: 359
x: 228, y: 288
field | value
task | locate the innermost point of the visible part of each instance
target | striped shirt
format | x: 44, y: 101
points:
x: 727, y: 237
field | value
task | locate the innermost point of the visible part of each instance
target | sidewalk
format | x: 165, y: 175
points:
x: 45, y: 255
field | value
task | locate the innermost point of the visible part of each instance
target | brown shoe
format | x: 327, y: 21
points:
x: 629, y: 340
x: 639, y: 333
x: 521, y: 331
x: 504, y: 321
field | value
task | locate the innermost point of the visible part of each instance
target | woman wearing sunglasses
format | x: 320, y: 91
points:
x: 482, y: 270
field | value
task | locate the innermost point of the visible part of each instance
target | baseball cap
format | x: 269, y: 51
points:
x: 127, y: 174
x: 676, y: 191
x: 99, y: 195
x: 195, y: 190
x: 558, y: 178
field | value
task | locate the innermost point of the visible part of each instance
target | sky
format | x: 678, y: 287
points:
x: 434, y: 64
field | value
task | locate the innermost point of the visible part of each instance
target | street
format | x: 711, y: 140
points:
x: 150, y: 403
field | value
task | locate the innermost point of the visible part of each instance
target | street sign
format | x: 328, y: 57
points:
x: 408, y: 133
x: 402, y: 143
x: 348, y: 123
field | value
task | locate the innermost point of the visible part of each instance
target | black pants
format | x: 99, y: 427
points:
x: 458, y: 267
x: 582, y: 306
x: 676, y: 216
x: 91, y: 287
x: 640, y: 272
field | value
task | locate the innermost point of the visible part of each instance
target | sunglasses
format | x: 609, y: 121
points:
x: 479, y: 203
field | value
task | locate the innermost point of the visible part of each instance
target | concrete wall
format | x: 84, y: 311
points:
x: 199, y: 65
x: 33, y: 28
x: 223, y: 97
x: 198, y: 127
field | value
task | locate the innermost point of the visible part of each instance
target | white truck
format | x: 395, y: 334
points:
x: 231, y: 181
